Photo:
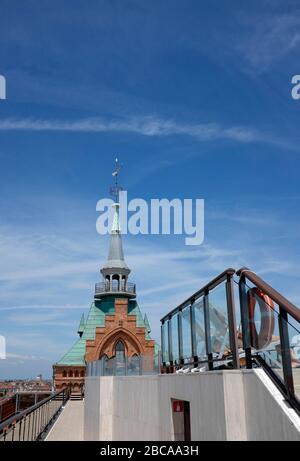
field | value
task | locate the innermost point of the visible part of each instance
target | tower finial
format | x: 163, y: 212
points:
x: 114, y: 191
x: 115, y: 271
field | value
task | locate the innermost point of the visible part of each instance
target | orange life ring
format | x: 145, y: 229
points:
x: 267, y: 324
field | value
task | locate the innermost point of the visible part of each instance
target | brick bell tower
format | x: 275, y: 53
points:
x: 114, y: 329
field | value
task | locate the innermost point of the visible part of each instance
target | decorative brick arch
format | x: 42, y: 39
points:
x: 131, y: 343
x: 123, y: 326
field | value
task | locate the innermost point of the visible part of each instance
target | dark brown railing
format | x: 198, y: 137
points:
x: 290, y: 308
x: 33, y: 423
x: 277, y: 356
x: 205, y: 319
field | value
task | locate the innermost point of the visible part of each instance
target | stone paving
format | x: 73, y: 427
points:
x: 69, y: 425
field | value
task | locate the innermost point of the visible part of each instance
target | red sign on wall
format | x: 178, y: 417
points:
x: 177, y: 406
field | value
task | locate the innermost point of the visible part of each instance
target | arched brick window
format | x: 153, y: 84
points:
x: 76, y: 374
x: 70, y: 374
x: 120, y: 351
x: 64, y: 374
x: 82, y: 373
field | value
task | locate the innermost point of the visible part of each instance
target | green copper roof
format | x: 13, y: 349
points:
x: 96, y: 318
x: 81, y: 325
x: 75, y: 356
x: 147, y: 324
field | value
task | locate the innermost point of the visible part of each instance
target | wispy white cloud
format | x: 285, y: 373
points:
x: 32, y: 343
x: 268, y: 38
x: 49, y: 318
x: 142, y: 125
x: 23, y: 357
x: 32, y: 306
x: 56, y: 270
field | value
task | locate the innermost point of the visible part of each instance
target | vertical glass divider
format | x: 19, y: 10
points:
x: 207, y: 330
x: 180, y: 345
x: 232, y: 321
x: 162, y: 343
x: 193, y: 331
x: 170, y: 341
x: 285, y: 352
x: 245, y: 320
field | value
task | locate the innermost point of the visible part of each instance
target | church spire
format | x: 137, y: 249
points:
x: 115, y: 258
x: 115, y: 271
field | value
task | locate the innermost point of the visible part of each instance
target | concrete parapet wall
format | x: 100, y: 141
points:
x: 224, y: 405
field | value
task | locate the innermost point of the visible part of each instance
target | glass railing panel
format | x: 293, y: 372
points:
x: 165, y: 342
x: 174, y: 338
x: 109, y: 368
x: 149, y: 364
x: 99, y: 368
x: 134, y: 364
x: 186, y: 334
x: 131, y: 366
x: 294, y: 344
x: 264, y: 328
x: 200, y: 329
x: 219, y: 327
x: 120, y: 367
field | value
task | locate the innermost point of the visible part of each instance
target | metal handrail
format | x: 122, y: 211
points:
x: 286, y: 385
x: 227, y: 277
x: 208, y: 287
x: 247, y: 352
x: 290, y: 308
x: 15, y: 421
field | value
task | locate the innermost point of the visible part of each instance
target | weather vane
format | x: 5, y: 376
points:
x: 114, y: 191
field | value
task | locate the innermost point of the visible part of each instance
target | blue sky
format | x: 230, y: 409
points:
x: 195, y: 99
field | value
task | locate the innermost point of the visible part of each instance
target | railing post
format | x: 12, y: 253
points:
x: 170, y: 344
x: 162, y: 345
x: 207, y: 330
x: 180, y: 345
x: 17, y: 402
x: 232, y: 321
x: 245, y: 320
x: 20, y: 428
x: 28, y: 425
x: 193, y: 330
x: 285, y: 352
